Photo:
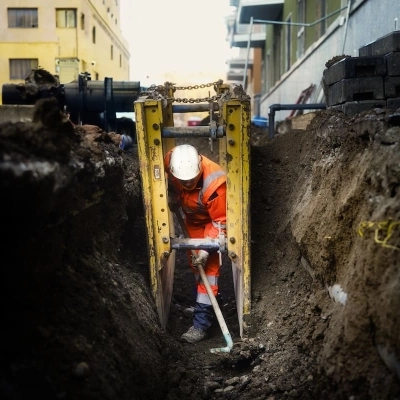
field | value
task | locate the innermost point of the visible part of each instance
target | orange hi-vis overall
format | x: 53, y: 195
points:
x: 205, y: 211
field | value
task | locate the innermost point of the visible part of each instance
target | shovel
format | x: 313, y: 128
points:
x: 217, y: 310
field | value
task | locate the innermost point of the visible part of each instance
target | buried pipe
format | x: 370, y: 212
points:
x: 279, y: 107
x: 217, y: 310
x: 336, y: 293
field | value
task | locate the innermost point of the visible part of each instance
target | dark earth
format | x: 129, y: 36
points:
x: 79, y: 321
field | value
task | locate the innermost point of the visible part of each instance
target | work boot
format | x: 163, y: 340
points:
x: 188, y: 312
x: 193, y: 335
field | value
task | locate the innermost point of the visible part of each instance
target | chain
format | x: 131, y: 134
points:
x: 169, y: 85
x: 202, y: 86
x: 191, y: 100
x: 163, y: 88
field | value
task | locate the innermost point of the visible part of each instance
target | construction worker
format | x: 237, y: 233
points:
x: 198, y: 185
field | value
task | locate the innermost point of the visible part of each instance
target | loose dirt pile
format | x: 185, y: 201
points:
x: 78, y: 318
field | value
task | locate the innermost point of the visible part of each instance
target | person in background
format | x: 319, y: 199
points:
x: 126, y: 127
x: 198, y: 185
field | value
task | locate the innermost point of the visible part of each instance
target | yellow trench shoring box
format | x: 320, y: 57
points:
x: 156, y: 135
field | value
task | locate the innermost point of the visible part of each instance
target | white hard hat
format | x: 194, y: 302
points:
x: 185, y: 162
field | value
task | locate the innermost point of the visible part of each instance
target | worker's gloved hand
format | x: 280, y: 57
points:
x: 173, y: 202
x: 201, y: 259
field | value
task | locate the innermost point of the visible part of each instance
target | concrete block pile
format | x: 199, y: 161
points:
x: 372, y: 80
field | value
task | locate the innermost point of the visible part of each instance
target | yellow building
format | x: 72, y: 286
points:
x: 65, y: 37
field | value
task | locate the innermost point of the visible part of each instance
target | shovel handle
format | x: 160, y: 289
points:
x: 210, y: 293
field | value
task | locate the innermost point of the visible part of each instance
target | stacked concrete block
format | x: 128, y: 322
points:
x: 356, y: 84
x: 384, y: 45
x: 392, y: 80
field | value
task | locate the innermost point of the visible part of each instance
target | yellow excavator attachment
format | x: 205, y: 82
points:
x: 156, y: 135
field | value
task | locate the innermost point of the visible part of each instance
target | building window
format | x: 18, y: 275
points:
x: 22, y: 17
x: 288, y: 53
x: 112, y: 52
x: 277, y: 53
x: 120, y: 60
x: 82, y: 21
x: 301, y: 16
x: 20, y: 68
x: 94, y: 35
x: 66, y: 18
x: 321, y: 7
x: 268, y: 72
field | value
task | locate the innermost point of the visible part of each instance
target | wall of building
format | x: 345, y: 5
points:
x: 67, y: 51
x: 339, y: 39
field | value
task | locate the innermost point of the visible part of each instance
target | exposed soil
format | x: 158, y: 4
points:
x: 79, y: 321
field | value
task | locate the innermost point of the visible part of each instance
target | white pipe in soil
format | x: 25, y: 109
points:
x: 337, y: 294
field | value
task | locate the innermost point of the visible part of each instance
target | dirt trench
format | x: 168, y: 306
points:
x: 79, y: 321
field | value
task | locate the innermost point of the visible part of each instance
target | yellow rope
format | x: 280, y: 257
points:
x: 382, y: 228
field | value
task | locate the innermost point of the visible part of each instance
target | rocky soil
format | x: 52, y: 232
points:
x: 79, y: 321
